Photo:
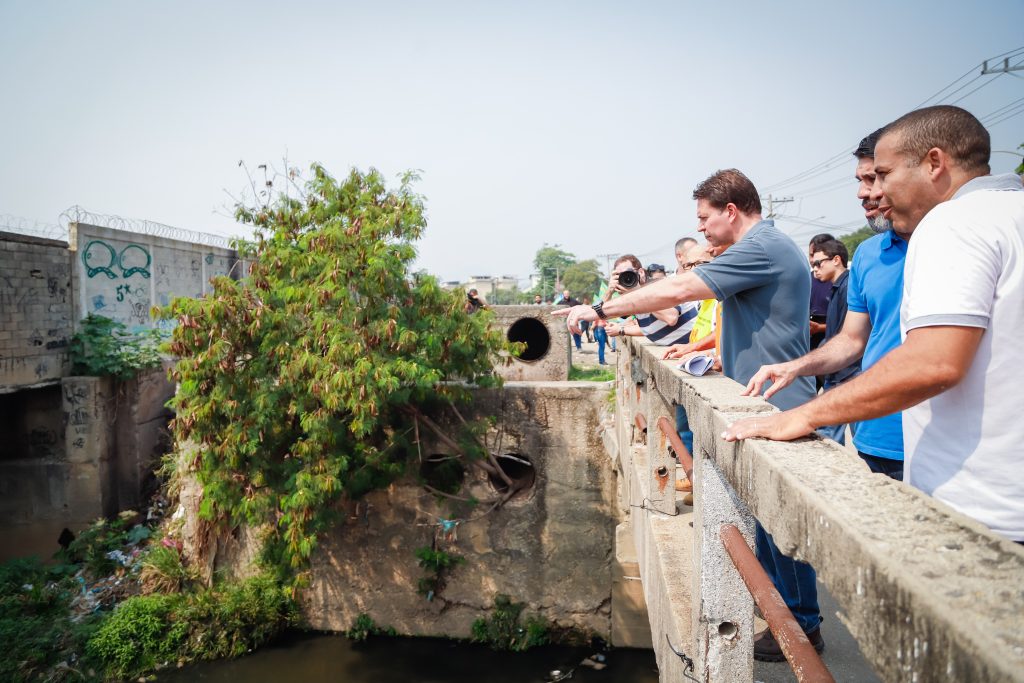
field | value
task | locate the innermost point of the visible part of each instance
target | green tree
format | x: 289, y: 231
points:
x: 550, y: 263
x: 582, y: 278
x: 312, y: 378
x: 1020, y: 167
x: 853, y: 240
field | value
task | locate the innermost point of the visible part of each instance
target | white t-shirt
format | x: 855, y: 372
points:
x: 965, y: 267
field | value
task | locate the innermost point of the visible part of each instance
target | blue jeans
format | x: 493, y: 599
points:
x: 794, y: 580
x: 887, y: 466
x: 601, y: 337
x: 683, y: 428
x: 836, y: 432
x: 576, y: 340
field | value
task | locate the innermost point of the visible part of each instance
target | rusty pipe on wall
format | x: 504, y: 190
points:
x: 805, y: 662
x: 641, y: 422
x: 669, y: 431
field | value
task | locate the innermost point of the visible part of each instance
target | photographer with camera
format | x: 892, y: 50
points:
x: 473, y: 302
x: 664, y: 327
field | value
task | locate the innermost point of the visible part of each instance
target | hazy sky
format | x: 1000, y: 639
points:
x: 583, y: 124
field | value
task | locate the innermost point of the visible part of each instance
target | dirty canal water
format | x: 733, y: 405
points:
x: 322, y: 658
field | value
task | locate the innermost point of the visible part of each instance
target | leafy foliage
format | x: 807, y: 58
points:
x: 1020, y: 167
x: 364, y: 627
x: 93, y: 544
x: 103, y: 347
x: 437, y: 563
x: 550, y: 263
x: 504, y: 630
x: 149, y: 631
x: 582, y: 279
x: 163, y: 571
x: 853, y: 240
x: 34, y: 622
x: 301, y: 384
x: 601, y: 374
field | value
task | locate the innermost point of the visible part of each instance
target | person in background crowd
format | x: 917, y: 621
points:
x: 957, y: 376
x: 655, y: 271
x: 871, y: 328
x: 568, y: 300
x: 682, y: 246
x: 473, y: 302
x: 828, y: 264
x: 763, y: 282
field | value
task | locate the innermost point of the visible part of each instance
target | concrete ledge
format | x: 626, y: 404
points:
x: 928, y: 593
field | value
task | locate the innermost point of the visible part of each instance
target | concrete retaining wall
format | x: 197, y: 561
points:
x: 35, y: 311
x: 552, y: 548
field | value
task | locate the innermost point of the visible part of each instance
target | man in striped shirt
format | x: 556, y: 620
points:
x: 665, y: 327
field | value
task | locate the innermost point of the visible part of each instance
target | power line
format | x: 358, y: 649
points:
x: 995, y: 114
x: 1008, y: 115
x: 942, y: 94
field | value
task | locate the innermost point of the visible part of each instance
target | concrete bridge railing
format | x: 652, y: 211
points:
x: 929, y: 594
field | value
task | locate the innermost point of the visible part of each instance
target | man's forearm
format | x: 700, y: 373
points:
x: 919, y: 369
x: 832, y: 356
x: 660, y: 295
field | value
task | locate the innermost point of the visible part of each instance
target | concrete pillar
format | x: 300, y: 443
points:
x: 661, y: 470
x: 723, y: 610
x: 87, y: 406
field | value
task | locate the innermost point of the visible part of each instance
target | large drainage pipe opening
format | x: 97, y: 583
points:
x: 534, y: 334
x: 519, y: 470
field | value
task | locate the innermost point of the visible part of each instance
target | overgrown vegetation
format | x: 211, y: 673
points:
x: 599, y: 374
x: 150, y: 631
x: 437, y: 564
x: 364, y: 627
x: 506, y: 630
x: 103, y: 347
x: 35, y: 623
x: 312, y: 379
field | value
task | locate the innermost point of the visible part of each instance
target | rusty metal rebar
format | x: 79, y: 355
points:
x: 683, y: 455
x: 641, y: 422
x: 805, y: 662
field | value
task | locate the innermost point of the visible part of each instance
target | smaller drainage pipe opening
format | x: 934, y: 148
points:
x: 519, y: 470
x: 443, y: 472
x: 727, y: 629
x: 534, y: 334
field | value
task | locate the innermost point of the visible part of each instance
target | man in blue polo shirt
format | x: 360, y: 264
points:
x: 872, y: 326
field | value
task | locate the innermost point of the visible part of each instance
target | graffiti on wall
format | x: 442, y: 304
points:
x: 99, y: 258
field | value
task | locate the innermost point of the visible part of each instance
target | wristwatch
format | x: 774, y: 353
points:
x: 599, y: 309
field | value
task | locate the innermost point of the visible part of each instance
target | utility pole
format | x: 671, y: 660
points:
x: 772, y: 201
x: 1005, y: 68
x: 607, y: 263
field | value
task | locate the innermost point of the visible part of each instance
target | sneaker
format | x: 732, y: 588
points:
x: 766, y: 648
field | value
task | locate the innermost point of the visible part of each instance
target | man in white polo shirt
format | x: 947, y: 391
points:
x: 958, y: 376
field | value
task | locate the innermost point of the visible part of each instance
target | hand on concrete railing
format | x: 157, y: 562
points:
x: 781, y: 375
x: 784, y: 426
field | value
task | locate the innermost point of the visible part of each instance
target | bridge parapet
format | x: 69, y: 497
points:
x: 928, y: 593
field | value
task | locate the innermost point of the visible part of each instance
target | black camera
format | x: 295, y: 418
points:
x: 629, y: 279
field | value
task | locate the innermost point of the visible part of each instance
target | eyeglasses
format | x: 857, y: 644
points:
x: 693, y: 264
x: 816, y: 264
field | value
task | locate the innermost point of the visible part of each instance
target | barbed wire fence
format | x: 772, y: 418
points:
x: 26, y: 226
x: 77, y: 214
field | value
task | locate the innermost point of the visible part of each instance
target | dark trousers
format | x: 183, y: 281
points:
x: 887, y: 466
x: 795, y: 581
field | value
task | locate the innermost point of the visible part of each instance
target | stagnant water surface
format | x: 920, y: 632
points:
x: 315, y: 658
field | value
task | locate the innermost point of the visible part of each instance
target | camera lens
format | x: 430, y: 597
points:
x: 629, y: 279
